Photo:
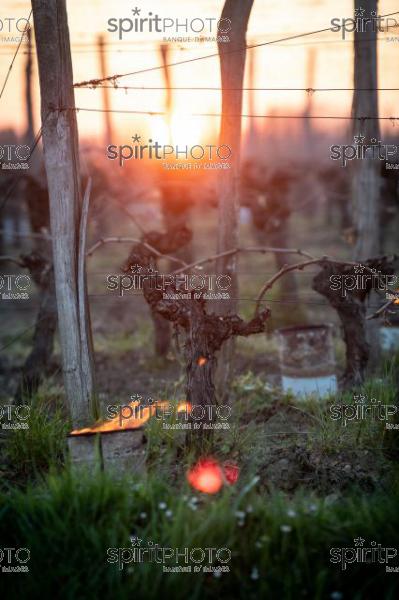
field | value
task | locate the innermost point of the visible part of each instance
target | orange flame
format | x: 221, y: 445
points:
x: 139, y: 416
x: 202, y: 361
x: 231, y: 472
x: 208, y: 476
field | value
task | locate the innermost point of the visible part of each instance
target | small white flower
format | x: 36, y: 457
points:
x: 291, y: 513
x: 254, y: 573
x: 249, y: 509
x: 286, y: 528
x: 193, y: 506
x: 162, y: 505
x: 143, y: 515
x: 240, y: 514
x: 258, y: 544
x: 169, y: 514
x: 194, y: 500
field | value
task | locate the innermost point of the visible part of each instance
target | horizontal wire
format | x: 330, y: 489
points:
x: 245, y: 116
x: 96, y: 82
x: 153, y: 43
x: 244, y: 89
x: 240, y: 299
x: 96, y: 50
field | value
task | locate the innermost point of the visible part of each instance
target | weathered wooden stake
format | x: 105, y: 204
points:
x: 105, y: 92
x: 28, y: 89
x: 232, y: 65
x: 60, y: 141
x: 366, y: 181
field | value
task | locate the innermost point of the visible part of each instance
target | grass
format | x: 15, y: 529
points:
x: 33, y: 451
x: 121, y: 342
x: 248, y: 437
x: 368, y: 430
x: 280, y: 546
x: 280, y: 541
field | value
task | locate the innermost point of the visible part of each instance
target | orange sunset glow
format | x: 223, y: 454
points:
x: 199, y: 271
x: 277, y: 66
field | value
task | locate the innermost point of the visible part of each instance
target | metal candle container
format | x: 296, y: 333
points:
x: 307, y: 360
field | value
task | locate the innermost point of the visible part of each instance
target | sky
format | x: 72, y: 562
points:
x: 284, y: 64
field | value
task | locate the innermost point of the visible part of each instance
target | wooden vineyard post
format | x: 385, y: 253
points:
x: 232, y: 64
x: 366, y: 187
x: 366, y: 184
x: 60, y: 143
x: 105, y: 91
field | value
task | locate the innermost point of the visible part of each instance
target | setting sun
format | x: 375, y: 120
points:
x: 180, y: 130
x: 199, y: 277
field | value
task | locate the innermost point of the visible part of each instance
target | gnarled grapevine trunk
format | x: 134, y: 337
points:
x: 352, y: 314
x: 205, y: 333
x: 351, y: 309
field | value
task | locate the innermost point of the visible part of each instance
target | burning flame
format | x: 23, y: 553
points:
x: 139, y: 416
x: 208, y: 476
x: 231, y: 472
x: 202, y: 361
